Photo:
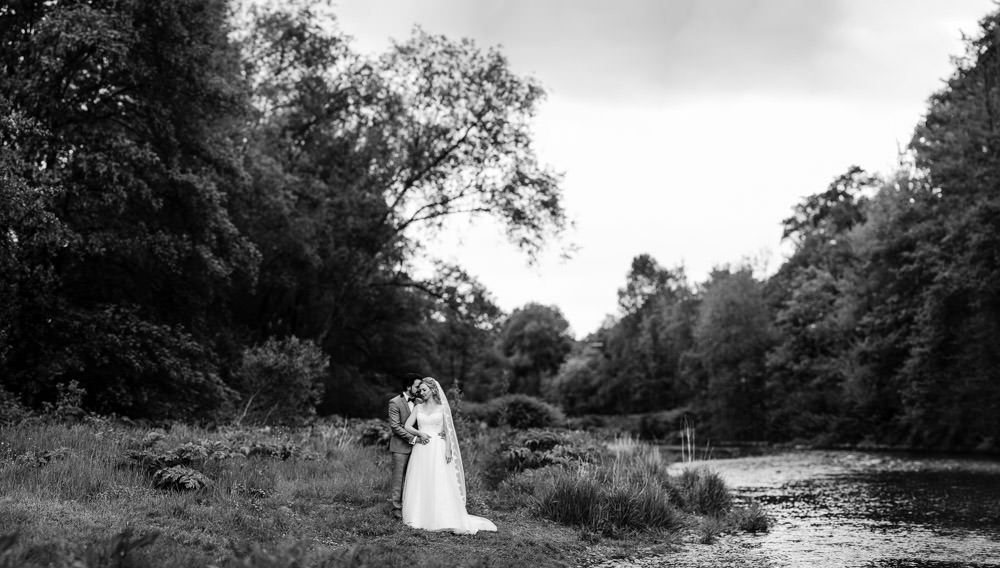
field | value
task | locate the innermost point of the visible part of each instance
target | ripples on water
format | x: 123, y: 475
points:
x: 835, y: 509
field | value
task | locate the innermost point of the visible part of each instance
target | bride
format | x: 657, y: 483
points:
x: 434, y: 491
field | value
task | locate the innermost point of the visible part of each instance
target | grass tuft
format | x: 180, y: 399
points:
x: 709, y: 529
x: 628, y: 494
x: 704, y: 492
x: 751, y: 519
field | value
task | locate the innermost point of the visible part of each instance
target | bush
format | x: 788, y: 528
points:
x: 586, y: 422
x: 537, y: 448
x: 479, y: 412
x: 180, y: 478
x: 280, y: 381
x: 523, y: 411
x: 12, y: 411
x: 704, y: 492
x: 69, y: 403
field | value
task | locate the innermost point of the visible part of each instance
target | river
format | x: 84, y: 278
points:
x: 858, y: 509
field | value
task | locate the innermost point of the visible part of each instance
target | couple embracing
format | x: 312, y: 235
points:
x: 428, y: 479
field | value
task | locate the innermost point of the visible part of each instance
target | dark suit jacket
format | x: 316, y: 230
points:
x: 399, y: 411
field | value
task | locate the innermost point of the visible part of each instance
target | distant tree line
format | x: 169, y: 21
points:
x: 882, y: 327
x: 211, y: 213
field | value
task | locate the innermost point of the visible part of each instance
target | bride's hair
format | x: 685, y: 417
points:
x: 430, y: 382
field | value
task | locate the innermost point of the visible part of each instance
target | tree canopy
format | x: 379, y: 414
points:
x: 177, y: 190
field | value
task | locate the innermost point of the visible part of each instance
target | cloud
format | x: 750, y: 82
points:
x: 649, y: 49
x: 656, y: 51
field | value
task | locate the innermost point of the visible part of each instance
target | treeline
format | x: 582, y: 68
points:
x: 883, y: 327
x: 211, y: 212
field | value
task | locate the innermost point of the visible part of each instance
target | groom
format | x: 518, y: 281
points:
x: 402, y: 442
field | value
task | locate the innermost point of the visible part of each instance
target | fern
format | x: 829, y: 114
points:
x: 180, y: 478
x: 151, y: 438
x: 39, y: 459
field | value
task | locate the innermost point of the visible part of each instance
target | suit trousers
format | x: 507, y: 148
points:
x: 399, y: 462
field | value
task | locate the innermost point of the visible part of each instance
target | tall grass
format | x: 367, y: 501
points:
x: 631, y: 492
x: 67, y: 488
x: 704, y: 492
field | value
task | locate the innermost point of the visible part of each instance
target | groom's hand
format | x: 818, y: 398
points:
x: 424, y: 438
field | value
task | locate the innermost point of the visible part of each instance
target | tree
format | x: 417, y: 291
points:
x: 466, y: 324
x: 129, y: 162
x: 645, y: 346
x: 812, y: 360
x: 814, y: 299
x: 536, y: 341
x: 731, y: 339
x: 280, y: 381
x: 579, y: 380
x: 645, y: 280
x: 951, y: 377
x: 351, y: 157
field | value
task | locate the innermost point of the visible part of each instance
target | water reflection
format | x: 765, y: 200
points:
x: 871, y: 510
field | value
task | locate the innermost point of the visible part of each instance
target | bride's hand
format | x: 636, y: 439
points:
x: 447, y: 457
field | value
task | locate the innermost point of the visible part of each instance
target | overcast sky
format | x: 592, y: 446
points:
x: 686, y: 129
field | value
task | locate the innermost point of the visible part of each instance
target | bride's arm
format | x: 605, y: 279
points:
x: 408, y: 425
x: 447, y: 447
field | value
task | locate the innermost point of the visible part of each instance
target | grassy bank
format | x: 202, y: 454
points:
x: 99, y: 493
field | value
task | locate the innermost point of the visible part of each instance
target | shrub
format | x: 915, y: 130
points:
x: 523, y: 411
x: 476, y: 412
x: 69, y: 402
x: 704, y: 492
x: 180, y: 478
x: 537, y: 448
x: 586, y: 422
x: 42, y: 458
x: 12, y: 411
x: 280, y: 381
x: 658, y: 426
x: 197, y: 453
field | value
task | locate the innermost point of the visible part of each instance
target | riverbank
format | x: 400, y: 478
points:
x: 98, y: 491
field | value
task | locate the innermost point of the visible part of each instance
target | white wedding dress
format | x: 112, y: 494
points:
x: 432, y: 499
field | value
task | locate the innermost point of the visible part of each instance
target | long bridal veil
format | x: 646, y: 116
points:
x: 451, y: 437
